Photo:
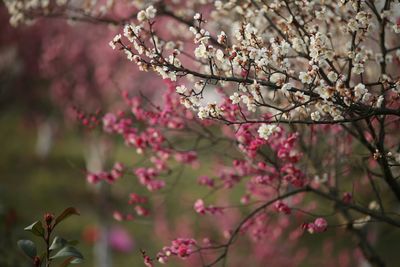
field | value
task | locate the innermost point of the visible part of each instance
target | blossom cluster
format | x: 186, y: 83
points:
x: 181, y: 247
x: 292, y: 75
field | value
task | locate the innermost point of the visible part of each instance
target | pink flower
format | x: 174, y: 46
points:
x: 92, y: 178
x: 282, y: 207
x: 205, y: 180
x: 347, y: 198
x: 141, y: 211
x: 318, y: 226
x: 135, y: 198
x: 120, y: 240
x: 199, y: 206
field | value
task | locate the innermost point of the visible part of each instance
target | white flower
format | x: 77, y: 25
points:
x: 361, y: 222
x: 141, y: 16
x: 305, y: 77
x: 112, y: 44
x: 242, y: 87
x: 277, y: 77
x: 352, y: 26
x: 181, y: 89
x: 235, y: 98
x: 363, y: 18
x: 151, y: 12
x: 129, y: 55
x: 396, y: 28
x: 201, y: 51
x: 358, y: 68
x: 315, y: 116
x: 324, y: 91
x: 249, y: 101
x: 203, y: 113
x: 221, y: 38
x: 301, y: 97
x: 373, y: 205
x: 193, y: 30
x: 332, y: 76
x: 366, y: 97
x: 284, y: 47
x: 186, y: 102
x: 218, y: 4
x: 320, y: 180
x: 266, y: 130
x: 219, y: 55
x: 359, y: 91
x: 130, y: 31
x: 197, y: 16
x: 115, y: 40
x: 286, y: 87
x: 388, y: 59
x: 338, y: 117
x: 211, y: 110
x: 195, y: 100
x: 379, y: 101
x: 298, y: 45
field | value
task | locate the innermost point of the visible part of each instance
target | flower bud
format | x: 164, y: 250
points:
x: 48, y: 218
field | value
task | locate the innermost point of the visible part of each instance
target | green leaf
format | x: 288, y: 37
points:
x: 28, y: 247
x: 76, y: 261
x: 58, y: 242
x: 65, y: 214
x: 36, y: 228
x: 68, y: 251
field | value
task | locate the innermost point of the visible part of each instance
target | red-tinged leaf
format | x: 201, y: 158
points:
x: 67, y: 262
x: 65, y: 214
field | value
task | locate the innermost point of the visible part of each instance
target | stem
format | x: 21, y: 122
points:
x: 47, y: 240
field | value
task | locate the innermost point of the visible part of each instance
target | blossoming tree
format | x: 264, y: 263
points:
x: 296, y: 103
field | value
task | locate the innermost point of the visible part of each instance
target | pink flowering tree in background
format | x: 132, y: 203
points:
x: 39, y: 72
x: 289, y: 110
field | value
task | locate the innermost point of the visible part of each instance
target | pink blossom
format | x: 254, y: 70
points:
x: 120, y: 240
x: 282, y: 207
x: 318, y: 226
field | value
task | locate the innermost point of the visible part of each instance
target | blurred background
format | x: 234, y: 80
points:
x: 48, y: 72
x: 46, y: 152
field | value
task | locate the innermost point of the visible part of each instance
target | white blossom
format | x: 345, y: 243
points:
x: 201, y: 51
x: 151, y: 12
x: 141, y: 16
x: 277, y: 77
x: 358, y: 68
x: 305, y: 77
x: 380, y: 101
x: 359, y: 91
x: 315, y: 116
x: 332, y: 76
x: 181, y: 89
x: 266, y: 130
x: 235, y: 98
